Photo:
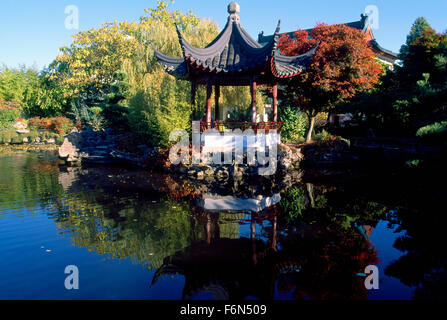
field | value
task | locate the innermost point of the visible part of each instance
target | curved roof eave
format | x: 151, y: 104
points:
x: 174, y: 66
x: 212, y: 49
x: 380, y: 48
x: 287, y: 66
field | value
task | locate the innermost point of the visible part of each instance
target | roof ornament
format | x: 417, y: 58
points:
x: 233, y: 9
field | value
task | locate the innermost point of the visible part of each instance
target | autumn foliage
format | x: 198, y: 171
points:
x: 343, y: 65
x: 60, y: 125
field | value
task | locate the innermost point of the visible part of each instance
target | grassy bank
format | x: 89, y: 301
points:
x: 10, y: 136
x: 9, y: 150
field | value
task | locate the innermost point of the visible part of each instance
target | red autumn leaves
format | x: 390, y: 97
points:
x: 343, y: 63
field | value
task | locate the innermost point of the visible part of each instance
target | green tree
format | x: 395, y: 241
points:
x: 414, y: 94
x: 422, y: 53
x: 13, y: 82
x: 45, y: 98
x: 36, y: 92
x: 419, y: 26
x: 95, y: 55
x: 295, y: 124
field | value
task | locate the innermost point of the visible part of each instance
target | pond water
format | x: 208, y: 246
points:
x: 139, y: 235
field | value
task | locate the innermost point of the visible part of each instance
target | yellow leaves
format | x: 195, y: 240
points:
x: 95, y: 55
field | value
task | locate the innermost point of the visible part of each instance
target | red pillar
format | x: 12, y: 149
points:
x: 275, y: 103
x: 208, y: 229
x: 209, y: 92
x: 253, y: 241
x: 274, y: 233
x: 253, y: 101
x: 216, y: 103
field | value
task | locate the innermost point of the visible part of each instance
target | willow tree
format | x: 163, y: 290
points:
x: 160, y: 103
x: 157, y: 102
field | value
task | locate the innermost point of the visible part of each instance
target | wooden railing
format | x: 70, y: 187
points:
x: 228, y: 126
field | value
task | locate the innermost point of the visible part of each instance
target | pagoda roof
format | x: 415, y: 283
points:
x: 363, y: 25
x: 233, y: 55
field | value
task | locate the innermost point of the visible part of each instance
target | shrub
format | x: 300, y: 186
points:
x: 433, y: 129
x: 11, y: 136
x: 60, y: 125
x: 9, y: 113
x: 323, y: 136
x: 415, y: 163
x: 84, y: 115
x: 293, y: 203
x: 295, y: 124
x: 153, y: 124
x: 34, y: 123
x: 116, y: 117
x: 239, y: 115
x: 7, y: 135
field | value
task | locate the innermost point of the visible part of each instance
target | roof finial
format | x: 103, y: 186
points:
x: 234, y: 8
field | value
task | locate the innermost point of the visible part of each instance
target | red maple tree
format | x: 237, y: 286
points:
x: 343, y: 65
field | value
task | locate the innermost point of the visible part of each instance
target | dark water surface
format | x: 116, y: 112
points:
x: 135, y: 235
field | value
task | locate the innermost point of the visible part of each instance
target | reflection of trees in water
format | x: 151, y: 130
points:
x: 329, y: 204
x: 418, y: 213
x: 424, y: 263
x: 317, y: 247
x: 132, y: 226
x: 310, y: 246
x: 315, y: 256
x: 144, y: 231
x: 27, y: 181
x: 330, y: 257
x: 320, y: 230
x: 314, y: 252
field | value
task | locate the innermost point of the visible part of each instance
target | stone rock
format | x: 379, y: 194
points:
x: 209, y: 171
x: 222, y: 173
x: 183, y: 170
x: 69, y: 150
x: 124, y: 156
x: 66, y: 179
x: 22, y: 131
x: 144, y: 148
x: 19, y: 125
x: 200, y: 175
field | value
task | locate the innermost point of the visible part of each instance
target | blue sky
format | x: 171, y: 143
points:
x: 31, y: 32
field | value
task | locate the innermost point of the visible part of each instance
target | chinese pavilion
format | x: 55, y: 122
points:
x: 234, y: 58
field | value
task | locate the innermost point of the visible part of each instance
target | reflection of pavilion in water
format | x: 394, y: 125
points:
x: 218, y: 203
x: 260, y: 267
x: 223, y: 268
x: 237, y: 244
